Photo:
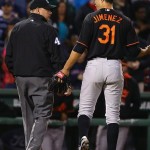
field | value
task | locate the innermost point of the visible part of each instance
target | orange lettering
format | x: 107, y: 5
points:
x: 114, y: 18
x: 95, y: 20
x: 101, y: 17
x: 110, y: 17
x: 119, y: 20
x: 105, y: 16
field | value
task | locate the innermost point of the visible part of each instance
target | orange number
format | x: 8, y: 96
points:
x: 107, y: 34
x: 113, y: 29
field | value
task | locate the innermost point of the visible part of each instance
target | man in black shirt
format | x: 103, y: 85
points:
x: 33, y: 57
x: 108, y: 37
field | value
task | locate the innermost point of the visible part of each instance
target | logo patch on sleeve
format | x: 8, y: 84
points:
x: 57, y: 41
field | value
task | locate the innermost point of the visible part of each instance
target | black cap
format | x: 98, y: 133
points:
x: 41, y: 4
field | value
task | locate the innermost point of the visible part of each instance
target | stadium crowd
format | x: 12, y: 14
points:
x: 67, y: 18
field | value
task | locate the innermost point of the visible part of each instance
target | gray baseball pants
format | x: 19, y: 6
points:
x: 107, y: 74
x: 36, y: 106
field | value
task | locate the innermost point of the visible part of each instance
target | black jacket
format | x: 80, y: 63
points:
x: 33, y: 48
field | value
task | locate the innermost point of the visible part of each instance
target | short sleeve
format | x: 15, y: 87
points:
x: 85, y: 35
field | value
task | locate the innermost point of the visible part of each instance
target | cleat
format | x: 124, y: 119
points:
x: 84, y: 143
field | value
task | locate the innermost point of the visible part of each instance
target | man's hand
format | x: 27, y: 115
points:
x: 144, y: 51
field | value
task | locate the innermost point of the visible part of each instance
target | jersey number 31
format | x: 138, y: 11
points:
x: 109, y: 34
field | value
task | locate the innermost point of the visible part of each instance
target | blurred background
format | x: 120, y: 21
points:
x: 67, y: 18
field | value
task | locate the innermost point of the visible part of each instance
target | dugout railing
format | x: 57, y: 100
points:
x: 10, y: 97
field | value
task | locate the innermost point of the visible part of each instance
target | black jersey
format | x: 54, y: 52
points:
x: 106, y: 33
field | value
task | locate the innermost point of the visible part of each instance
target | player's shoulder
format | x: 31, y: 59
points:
x: 89, y: 17
x: 125, y: 18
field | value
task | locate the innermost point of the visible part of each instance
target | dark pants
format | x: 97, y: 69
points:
x: 36, y: 106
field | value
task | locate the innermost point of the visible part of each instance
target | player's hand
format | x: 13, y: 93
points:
x: 145, y: 51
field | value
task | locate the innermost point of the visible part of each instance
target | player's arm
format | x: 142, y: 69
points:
x: 144, y: 51
x: 74, y: 56
x: 136, y: 51
x: 133, y: 50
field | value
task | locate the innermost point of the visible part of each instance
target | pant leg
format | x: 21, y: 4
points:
x: 26, y: 107
x: 113, y: 90
x: 91, y: 88
x: 43, y: 102
x: 37, y: 134
x: 113, y: 98
x: 36, y: 89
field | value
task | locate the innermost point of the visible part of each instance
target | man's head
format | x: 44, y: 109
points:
x: 42, y: 7
x: 103, y: 3
x: 7, y: 7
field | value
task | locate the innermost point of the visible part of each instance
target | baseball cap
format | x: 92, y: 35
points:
x: 41, y: 4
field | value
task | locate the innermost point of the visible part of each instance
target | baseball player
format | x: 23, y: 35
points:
x: 108, y: 37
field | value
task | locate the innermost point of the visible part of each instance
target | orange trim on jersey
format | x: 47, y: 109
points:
x: 132, y: 44
x: 82, y: 43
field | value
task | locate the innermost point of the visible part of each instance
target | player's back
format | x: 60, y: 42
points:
x: 110, y: 34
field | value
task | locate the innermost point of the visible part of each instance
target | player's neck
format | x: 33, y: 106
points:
x: 107, y: 5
